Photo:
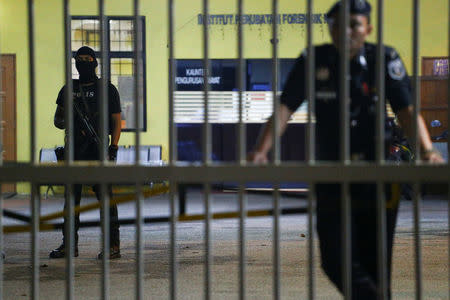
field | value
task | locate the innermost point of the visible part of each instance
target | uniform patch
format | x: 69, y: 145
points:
x: 396, y: 69
x: 322, y: 74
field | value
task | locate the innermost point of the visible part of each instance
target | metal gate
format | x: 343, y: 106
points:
x: 345, y: 171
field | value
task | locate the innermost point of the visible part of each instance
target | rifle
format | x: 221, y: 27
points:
x: 85, y: 121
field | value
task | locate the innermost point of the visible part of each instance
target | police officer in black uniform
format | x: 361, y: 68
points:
x: 362, y: 142
x: 86, y: 97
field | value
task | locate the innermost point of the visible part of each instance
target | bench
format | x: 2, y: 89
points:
x: 149, y: 154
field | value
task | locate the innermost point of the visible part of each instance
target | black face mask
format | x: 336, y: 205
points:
x: 86, y: 70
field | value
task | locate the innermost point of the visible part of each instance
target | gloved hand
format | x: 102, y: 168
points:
x: 59, y: 151
x: 112, y: 152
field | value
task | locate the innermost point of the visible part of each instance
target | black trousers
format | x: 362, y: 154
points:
x: 114, y: 234
x: 91, y: 153
x: 364, y: 237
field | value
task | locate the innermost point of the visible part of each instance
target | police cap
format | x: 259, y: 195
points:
x: 360, y: 7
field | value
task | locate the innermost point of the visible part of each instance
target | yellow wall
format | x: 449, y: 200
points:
x: 50, y: 51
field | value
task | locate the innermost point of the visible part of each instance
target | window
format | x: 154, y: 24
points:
x: 86, y: 32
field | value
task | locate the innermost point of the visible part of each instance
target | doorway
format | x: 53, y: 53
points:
x: 8, y: 120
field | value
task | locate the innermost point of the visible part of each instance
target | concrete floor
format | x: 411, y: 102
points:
x: 88, y: 272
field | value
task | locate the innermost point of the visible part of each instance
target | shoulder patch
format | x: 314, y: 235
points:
x: 396, y: 69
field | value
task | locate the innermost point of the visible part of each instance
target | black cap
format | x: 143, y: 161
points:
x: 85, y: 50
x: 360, y: 7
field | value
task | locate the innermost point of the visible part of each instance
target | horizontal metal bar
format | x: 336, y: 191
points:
x: 361, y: 172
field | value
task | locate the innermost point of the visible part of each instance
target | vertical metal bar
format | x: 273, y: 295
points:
x: 380, y: 83
x: 206, y: 73
x: 137, y: 31
x: 380, y: 156
x: 344, y: 82
x: 310, y: 90
x: 103, y: 131
x: 34, y: 187
x: 172, y: 152
x: 240, y: 76
x: 31, y: 55
x: 241, y: 152
x: 208, y: 273
x: 69, y: 242
x: 173, y: 241
x: 275, y: 152
x: 276, y: 243
x: 416, y: 78
x: 68, y: 103
x: 346, y: 240
x: 206, y: 147
x: 35, y: 240
x: 310, y: 143
x: 417, y: 241
x: 276, y: 105
x: 69, y: 153
x: 345, y: 144
x: 416, y: 144
x: 139, y: 244
x: 105, y: 240
x: 311, y: 224
x: 381, y: 238
x: 103, y: 103
x: 344, y: 76
x: 172, y: 68
x: 242, y: 240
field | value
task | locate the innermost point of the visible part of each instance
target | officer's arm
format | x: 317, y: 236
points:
x: 58, y: 120
x: 116, y: 128
x: 265, y: 139
x: 406, y: 118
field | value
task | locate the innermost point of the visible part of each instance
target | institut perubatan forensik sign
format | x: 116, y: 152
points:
x: 258, y: 19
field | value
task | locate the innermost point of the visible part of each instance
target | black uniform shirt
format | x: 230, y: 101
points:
x: 91, y: 98
x: 362, y: 94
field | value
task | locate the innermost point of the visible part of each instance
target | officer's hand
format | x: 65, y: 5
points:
x: 257, y: 157
x: 433, y: 156
x: 112, y: 152
x: 59, y: 151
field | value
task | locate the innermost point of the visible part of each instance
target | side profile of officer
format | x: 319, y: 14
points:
x: 362, y: 142
x: 86, y: 97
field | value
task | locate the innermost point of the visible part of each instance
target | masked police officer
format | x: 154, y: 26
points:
x: 362, y: 141
x: 86, y: 132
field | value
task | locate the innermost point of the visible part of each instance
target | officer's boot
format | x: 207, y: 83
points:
x: 114, y: 250
x: 60, y: 252
x: 114, y: 236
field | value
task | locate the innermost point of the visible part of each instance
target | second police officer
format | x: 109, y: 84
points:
x: 362, y: 142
